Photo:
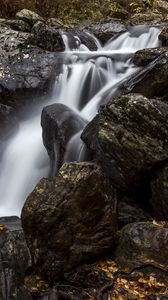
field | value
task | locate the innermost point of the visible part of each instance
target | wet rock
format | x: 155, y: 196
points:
x: 14, y: 260
x: 59, y: 124
x: 123, y: 139
x: 164, y: 36
x: 24, y: 68
x: 106, y: 30
x: 28, y: 72
x: 85, y: 38
x: 69, y: 220
x: 8, y: 121
x: 28, y: 16
x: 152, y: 80
x: 17, y: 25
x: 11, y: 41
x: 141, y: 243
x: 47, y: 37
x: 159, y: 188
x: 145, y: 56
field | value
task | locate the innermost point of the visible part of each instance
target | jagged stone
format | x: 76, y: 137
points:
x: 69, y: 220
x: 123, y: 138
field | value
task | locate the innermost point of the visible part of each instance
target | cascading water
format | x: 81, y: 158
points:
x: 88, y: 79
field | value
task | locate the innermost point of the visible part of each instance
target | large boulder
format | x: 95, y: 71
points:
x: 27, y: 73
x: 69, y: 220
x: 142, y: 243
x: 59, y: 124
x: 24, y: 67
x: 14, y: 260
x: 159, y: 191
x: 128, y: 138
x: 28, y: 16
x: 145, y: 56
x: 47, y: 37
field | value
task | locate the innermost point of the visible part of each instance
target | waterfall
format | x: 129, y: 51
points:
x: 88, y: 79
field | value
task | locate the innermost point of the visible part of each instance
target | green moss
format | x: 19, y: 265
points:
x: 75, y: 11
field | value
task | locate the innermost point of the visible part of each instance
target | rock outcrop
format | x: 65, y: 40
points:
x: 123, y: 138
x: 69, y: 220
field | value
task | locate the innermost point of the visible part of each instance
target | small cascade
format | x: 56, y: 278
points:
x: 88, y: 79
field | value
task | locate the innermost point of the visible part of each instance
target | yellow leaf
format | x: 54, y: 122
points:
x: 2, y: 226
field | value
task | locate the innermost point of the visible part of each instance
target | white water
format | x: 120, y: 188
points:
x: 88, y: 78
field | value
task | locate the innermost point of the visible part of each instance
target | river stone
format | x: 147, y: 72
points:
x: 14, y: 260
x: 59, y: 123
x: 28, y: 16
x: 69, y: 220
x: 123, y: 138
x: 145, y: 56
x: 143, y: 242
x: 159, y: 189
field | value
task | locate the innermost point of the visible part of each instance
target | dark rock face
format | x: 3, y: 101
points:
x: 142, y: 242
x: 8, y: 121
x: 159, y: 188
x: 124, y: 135
x: 69, y: 220
x: 152, y: 81
x: 84, y: 36
x: 46, y: 37
x: 145, y: 56
x: 105, y: 30
x: 59, y: 124
x: 14, y: 260
x: 164, y: 36
x: 25, y: 69
x: 17, y: 25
